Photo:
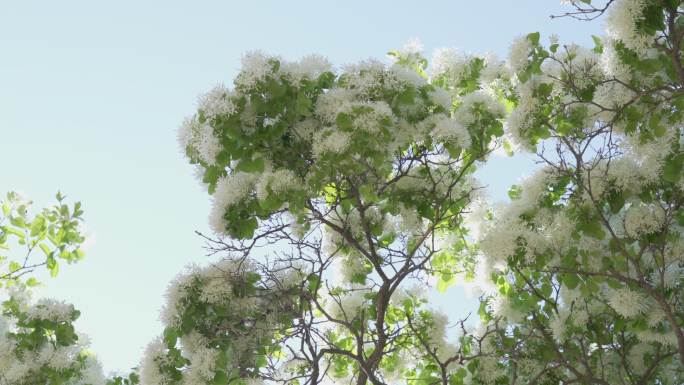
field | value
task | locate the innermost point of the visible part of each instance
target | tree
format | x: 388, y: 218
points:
x: 38, y: 342
x: 587, y: 260
x: 339, y: 195
x: 359, y: 180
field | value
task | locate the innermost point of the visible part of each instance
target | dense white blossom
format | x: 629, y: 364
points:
x: 476, y: 103
x: 519, y: 53
x: 328, y: 104
x: 255, y: 67
x: 278, y: 182
x: 229, y: 191
x: 441, y: 97
x: 449, y: 130
x: 349, y: 304
x: 449, y: 62
x: 153, y: 357
x: 643, y: 219
x: 626, y: 302
x: 216, y: 102
x: 330, y: 141
x: 494, y: 69
x: 309, y: 67
x: 407, y: 76
x: 92, y: 373
x: 51, y: 310
x: 200, y: 138
x: 622, y: 24
x: 202, y: 367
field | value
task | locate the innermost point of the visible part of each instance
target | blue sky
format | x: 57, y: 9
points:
x: 91, y: 94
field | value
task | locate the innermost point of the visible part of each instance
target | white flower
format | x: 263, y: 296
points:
x: 558, y: 324
x: 216, y: 102
x: 329, y: 103
x: 441, y: 97
x: 489, y: 371
x: 450, y: 62
x: 475, y: 103
x: 449, y: 130
x: 255, y: 67
x: 229, y: 191
x: 154, y: 356
x: 407, y: 76
x: 92, y: 373
x: 200, y: 138
x: 413, y: 46
x: 349, y: 304
x: 330, y: 141
x: 519, y: 53
x: 51, y: 310
x: 611, y: 63
x: 622, y: 21
x: 494, y: 69
x: 650, y: 336
x: 216, y: 290
x: 309, y: 67
x: 670, y: 277
x: 626, y: 302
x: 353, y: 265
x: 643, y: 219
x: 503, y: 308
x: 202, y: 366
x: 278, y: 182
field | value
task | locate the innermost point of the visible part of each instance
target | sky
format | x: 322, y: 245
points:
x: 92, y: 92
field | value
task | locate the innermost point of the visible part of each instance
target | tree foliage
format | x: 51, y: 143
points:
x: 339, y: 195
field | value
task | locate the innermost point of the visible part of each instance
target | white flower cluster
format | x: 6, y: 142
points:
x: 476, y: 104
x: 26, y: 365
x: 451, y: 63
x: 330, y: 141
x: 199, y: 138
x: 216, y: 102
x: 226, y: 286
x: 277, y: 182
x: 503, y: 237
x: 450, y: 131
x: 626, y: 302
x: 215, y: 287
x: 622, y: 24
x: 230, y: 190
x: 643, y: 219
x: 154, y: 357
x: 519, y: 53
x: 51, y: 310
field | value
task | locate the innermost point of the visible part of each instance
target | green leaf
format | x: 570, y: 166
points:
x: 672, y: 170
x: 533, y: 38
x: 37, y: 226
x: 598, y: 44
x: 251, y: 165
x: 170, y: 337
x: 571, y: 280
x: 344, y: 122
x: 443, y: 284
x: 65, y: 335
x: 52, y: 265
x: 515, y: 192
x: 220, y: 378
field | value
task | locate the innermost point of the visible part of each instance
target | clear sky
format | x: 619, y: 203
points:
x: 91, y: 93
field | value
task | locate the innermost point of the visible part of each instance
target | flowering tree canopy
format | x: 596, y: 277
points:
x: 360, y: 179
x: 340, y: 194
x: 588, y: 258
